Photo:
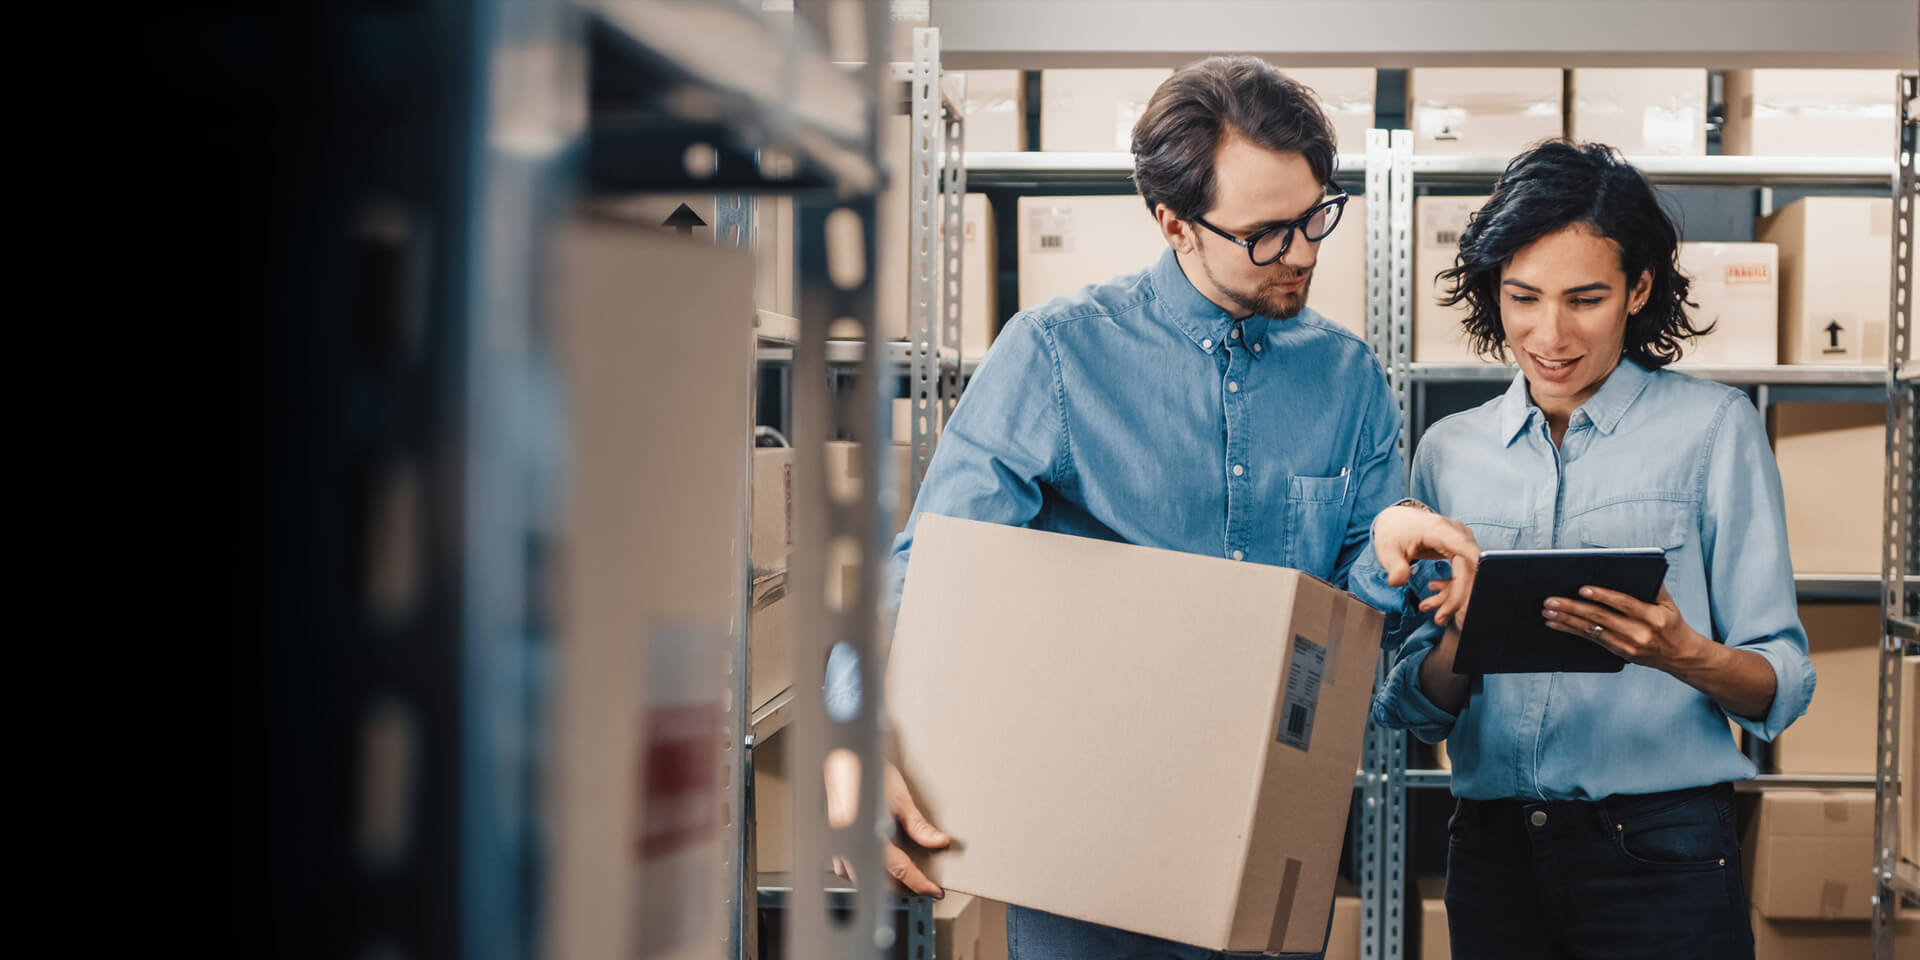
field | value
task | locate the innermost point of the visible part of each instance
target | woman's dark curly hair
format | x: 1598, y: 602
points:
x: 1556, y: 185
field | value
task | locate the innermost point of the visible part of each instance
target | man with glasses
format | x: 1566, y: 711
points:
x: 1197, y: 405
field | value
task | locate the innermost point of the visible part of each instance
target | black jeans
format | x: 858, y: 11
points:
x: 1652, y: 875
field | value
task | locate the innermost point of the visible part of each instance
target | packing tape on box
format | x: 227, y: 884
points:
x: 1283, y: 910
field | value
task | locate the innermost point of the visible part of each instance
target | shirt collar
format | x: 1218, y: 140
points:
x: 1604, y: 409
x: 1192, y: 313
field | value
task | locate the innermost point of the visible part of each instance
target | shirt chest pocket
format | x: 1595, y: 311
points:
x: 1317, y: 514
x: 1639, y: 524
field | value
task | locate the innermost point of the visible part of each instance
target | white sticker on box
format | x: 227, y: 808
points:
x: 1304, y: 672
x: 1051, y: 229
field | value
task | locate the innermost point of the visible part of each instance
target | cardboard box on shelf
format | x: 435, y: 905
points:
x: 846, y: 468
x: 772, y: 508
x: 1346, y: 96
x: 1339, y: 288
x: 1910, y: 759
x: 1274, y: 699
x: 1343, y: 938
x: 979, y: 278
x: 1069, y: 242
x: 770, y: 238
x: 1829, y: 939
x: 1809, y: 855
x: 1832, y: 459
x: 996, y: 110
x: 1640, y: 112
x: 1437, y: 334
x: 1434, y: 941
x: 1483, y: 111
x: 652, y: 583
x: 1837, y: 733
x: 1835, y: 261
x: 1810, y: 113
x: 769, y: 628
x: 772, y: 805
x: 1094, y: 110
x: 903, y: 420
x: 1736, y: 288
x: 969, y: 928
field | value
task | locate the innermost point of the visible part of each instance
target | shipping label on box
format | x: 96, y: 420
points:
x: 1810, y: 855
x: 1735, y: 288
x: 1483, y: 111
x: 1438, y: 336
x: 989, y: 673
x: 1640, y: 112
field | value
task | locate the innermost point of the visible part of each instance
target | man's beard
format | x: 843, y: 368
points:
x: 1269, y: 300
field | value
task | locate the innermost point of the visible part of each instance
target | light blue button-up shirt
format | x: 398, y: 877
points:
x: 1654, y: 458
x: 1139, y: 411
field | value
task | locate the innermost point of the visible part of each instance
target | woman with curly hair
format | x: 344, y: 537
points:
x: 1594, y: 811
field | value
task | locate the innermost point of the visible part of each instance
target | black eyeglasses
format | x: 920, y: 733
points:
x: 1273, y: 242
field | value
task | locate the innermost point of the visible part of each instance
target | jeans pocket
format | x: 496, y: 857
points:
x: 1686, y: 836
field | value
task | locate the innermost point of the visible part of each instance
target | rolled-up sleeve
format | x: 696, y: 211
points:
x: 1749, y: 572
x: 1399, y: 703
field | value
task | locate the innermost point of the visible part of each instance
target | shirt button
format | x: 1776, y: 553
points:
x: 1206, y: 344
x: 1238, y: 470
x: 1233, y: 386
x: 1539, y: 818
x: 1237, y: 555
x: 1256, y: 348
x: 1235, y: 334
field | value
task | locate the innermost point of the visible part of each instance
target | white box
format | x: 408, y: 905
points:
x: 1069, y: 242
x: 1094, y: 110
x: 1810, y: 113
x: 1483, y: 111
x: 1346, y: 96
x: 996, y: 110
x: 1640, y: 112
x: 1735, y: 286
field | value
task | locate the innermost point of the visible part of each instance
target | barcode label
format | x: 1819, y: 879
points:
x: 1305, y: 669
x: 1446, y: 238
x: 1051, y: 229
x: 1053, y: 241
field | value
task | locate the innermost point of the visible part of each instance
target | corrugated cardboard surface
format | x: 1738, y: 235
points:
x: 1106, y: 740
x: 1069, y: 242
x: 769, y: 629
x: 969, y: 928
x: 1835, y: 263
x: 1829, y: 939
x: 1910, y: 759
x: 1437, y: 224
x: 1640, y: 112
x: 1837, y: 733
x: 652, y: 561
x: 1343, y: 938
x: 772, y: 507
x: 1809, y: 855
x: 996, y: 110
x: 1832, y: 459
x: 1094, y: 110
x: 1483, y: 111
x: 1434, y: 942
x: 1810, y: 113
x: 1735, y: 287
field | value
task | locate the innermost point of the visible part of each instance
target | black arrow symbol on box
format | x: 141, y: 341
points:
x: 683, y: 220
x: 1833, y: 334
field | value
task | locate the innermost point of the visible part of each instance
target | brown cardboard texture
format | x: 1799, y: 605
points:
x: 1435, y: 941
x: 1069, y: 242
x: 1836, y: 734
x: 772, y: 508
x: 769, y: 629
x: 969, y: 928
x: 1832, y: 459
x: 1910, y: 759
x: 1809, y: 855
x: 1105, y: 740
x: 1437, y: 334
x: 1835, y: 264
x: 1338, y: 290
x: 1343, y: 939
x: 1830, y: 939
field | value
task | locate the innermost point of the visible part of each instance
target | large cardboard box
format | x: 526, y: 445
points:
x: 996, y: 110
x: 772, y: 508
x: 769, y: 640
x: 653, y: 579
x: 1809, y: 855
x: 1830, y: 939
x: 1837, y: 733
x: 1735, y: 287
x: 1094, y: 110
x: 1832, y: 459
x: 1438, y: 222
x: 1069, y: 242
x: 770, y: 235
x: 969, y: 928
x: 1640, y: 112
x: 1835, y: 263
x: 1339, y: 289
x: 1810, y: 113
x: 1346, y: 95
x: 1435, y: 942
x: 1196, y: 791
x: 1483, y: 111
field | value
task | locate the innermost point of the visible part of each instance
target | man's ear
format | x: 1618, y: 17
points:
x: 1178, y: 232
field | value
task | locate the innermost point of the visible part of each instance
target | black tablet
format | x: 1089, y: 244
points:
x: 1505, y: 632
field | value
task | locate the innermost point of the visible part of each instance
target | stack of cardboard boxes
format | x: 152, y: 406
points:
x: 1809, y: 872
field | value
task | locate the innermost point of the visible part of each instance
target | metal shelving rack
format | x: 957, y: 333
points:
x: 933, y: 365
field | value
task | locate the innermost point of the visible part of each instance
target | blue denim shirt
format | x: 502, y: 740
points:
x: 1653, y: 459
